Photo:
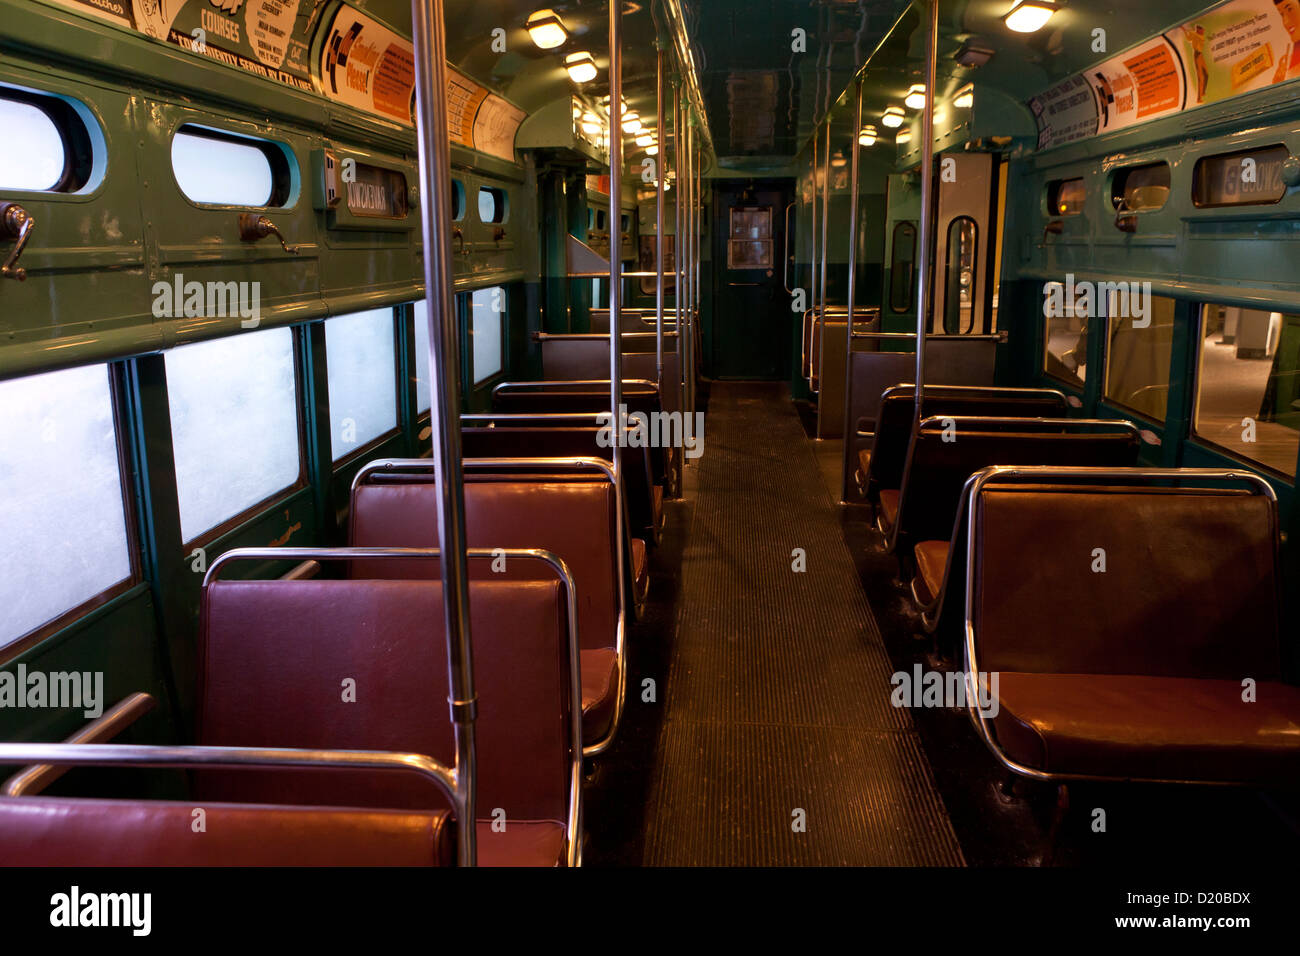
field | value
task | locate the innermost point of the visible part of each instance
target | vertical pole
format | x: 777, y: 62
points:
x: 679, y: 258
x: 812, y: 262
x: 924, y: 239
x: 686, y: 329
x: 616, y: 291
x: 444, y: 363
x: 659, y: 218
x: 853, y: 269
x: 697, y: 236
x: 820, y: 316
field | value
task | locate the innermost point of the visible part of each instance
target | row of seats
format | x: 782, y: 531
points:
x: 333, y: 665
x: 1130, y: 614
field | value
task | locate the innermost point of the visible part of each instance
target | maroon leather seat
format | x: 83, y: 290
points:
x: 347, y: 665
x: 1140, y: 670
x: 572, y: 518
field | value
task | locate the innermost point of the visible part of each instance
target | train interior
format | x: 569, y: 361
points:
x: 765, y: 433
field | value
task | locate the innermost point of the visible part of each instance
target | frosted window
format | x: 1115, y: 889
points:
x: 40, y: 163
x: 420, y: 360
x: 491, y: 204
x: 363, y: 397
x: 210, y: 169
x: 488, y: 308
x: 63, y: 537
x: 234, y: 412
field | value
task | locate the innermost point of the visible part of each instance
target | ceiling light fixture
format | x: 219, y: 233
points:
x: 904, y: 137
x: 652, y: 149
x: 645, y: 138
x: 631, y: 122
x: 893, y: 117
x: 915, y: 97
x: 547, y: 29
x: 581, y: 67
x: 965, y: 99
x: 867, y: 137
x: 1029, y: 16
x: 972, y: 55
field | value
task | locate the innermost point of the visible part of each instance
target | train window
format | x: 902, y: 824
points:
x: 624, y: 222
x: 487, y: 316
x: 1065, y: 197
x: 1248, y: 177
x: 421, y: 358
x: 62, y: 511
x: 360, y: 355
x: 234, y: 414
x: 491, y: 204
x: 902, y: 267
x: 1140, y: 188
x: 1066, y: 342
x: 457, y: 200
x: 1248, y: 389
x: 960, y: 270
x: 217, y: 168
x: 1140, y: 344
x: 40, y: 164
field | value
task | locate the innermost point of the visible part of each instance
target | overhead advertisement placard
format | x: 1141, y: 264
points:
x: 368, y: 66
x: 1236, y: 48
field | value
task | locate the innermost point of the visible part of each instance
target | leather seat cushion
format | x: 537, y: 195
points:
x: 889, y: 499
x: 73, y: 831
x: 931, y: 562
x: 1172, y: 728
x: 522, y: 843
x: 599, y: 692
x: 640, y: 571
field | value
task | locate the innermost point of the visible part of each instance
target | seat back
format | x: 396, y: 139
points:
x: 546, y: 397
x: 1189, y: 587
x: 572, y: 518
x: 362, y: 665
x: 946, y: 458
x: 894, y: 425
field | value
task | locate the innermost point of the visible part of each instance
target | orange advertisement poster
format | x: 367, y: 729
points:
x: 1159, y: 83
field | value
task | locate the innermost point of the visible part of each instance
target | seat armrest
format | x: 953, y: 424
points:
x: 34, y: 779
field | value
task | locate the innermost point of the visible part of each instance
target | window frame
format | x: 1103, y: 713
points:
x: 893, y: 261
x: 1052, y: 197
x: 1106, y: 353
x: 1119, y: 182
x: 399, y: 337
x: 474, y: 383
x: 279, y: 158
x: 74, y: 134
x: 1209, y: 157
x: 501, y: 201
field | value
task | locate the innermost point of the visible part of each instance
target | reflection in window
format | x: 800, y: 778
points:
x: 902, y: 267
x: 211, y: 168
x: 234, y: 414
x: 40, y: 163
x: 1065, y: 197
x: 1138, y: 353
x: 959, y: 276
x: 1066, y: 348
x: 1248, y: 389
x: 1141, y: 188
x: 487, y: 316
x: 63, y: 537
x: 421, y: 358
x: 360, y: 354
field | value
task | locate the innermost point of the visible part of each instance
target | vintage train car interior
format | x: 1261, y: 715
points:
x: 660, y: 433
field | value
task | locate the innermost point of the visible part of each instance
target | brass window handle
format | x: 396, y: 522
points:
x: 253, y: 227
x: 15, y: 223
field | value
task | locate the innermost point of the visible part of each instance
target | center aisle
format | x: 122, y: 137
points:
x: 777, y: 698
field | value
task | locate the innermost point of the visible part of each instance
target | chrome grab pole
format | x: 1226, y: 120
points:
x: 853, y: 268
x: 819, y: 315
x: 924, y: 239
x: 679, y: 272
x: 660, y: 159
x: 427, y: 27
x: 616, y: 301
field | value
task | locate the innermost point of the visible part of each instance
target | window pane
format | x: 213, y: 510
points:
x: 40, y: 162
x: 1067, y: 337
x: 421, y: 358
x: 234, y: 412
x: 1065, y: 197
x: 1248, y: 390
x: 491, y: 205
x: 1138, y: 356
x: 62, y: 520
x: 211, y: 169
x: 488, y: 310
x: 360, y: 355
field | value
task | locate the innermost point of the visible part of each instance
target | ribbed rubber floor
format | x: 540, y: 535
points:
x: 778, y: 694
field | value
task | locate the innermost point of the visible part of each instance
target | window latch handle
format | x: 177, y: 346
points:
x: 253, y: 227
x: 15, y: 223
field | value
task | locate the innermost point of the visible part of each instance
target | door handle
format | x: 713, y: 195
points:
x: 253, y: 227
